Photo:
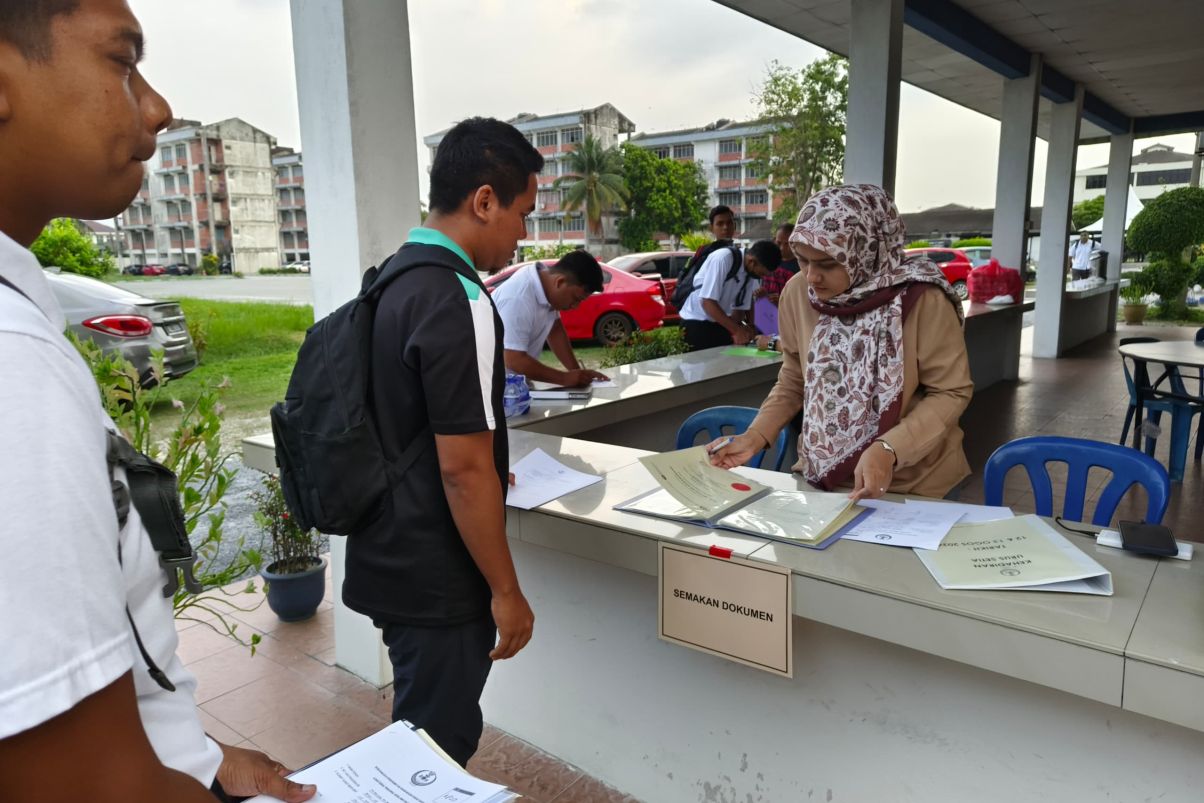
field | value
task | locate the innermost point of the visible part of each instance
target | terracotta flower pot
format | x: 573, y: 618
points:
x: 1134, y: 313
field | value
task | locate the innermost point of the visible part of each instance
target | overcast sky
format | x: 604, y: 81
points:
x: 665, y: 64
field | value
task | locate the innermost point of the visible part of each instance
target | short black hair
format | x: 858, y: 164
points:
x: 785, y: 227
x: 25, y: 24
x: 581, y: 268
x: 767, y: 253
x: 716, y: 211
x: 480, y: 151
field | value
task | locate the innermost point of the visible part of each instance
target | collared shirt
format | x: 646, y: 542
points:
x: 1080, y: 253
x: 425, y: 236
x: 774, y: 282
x: 527, y: 315
x: 63, y: 590
x: 711, y: 282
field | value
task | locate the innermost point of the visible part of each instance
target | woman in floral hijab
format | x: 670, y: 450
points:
x: 874, y: 357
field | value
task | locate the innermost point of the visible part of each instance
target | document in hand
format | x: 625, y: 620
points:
x: 704, y: 491
x: 538, y: 479
x: 397, y: 763
x: 1020, y: 554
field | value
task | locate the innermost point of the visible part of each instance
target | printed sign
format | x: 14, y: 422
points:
x: 735, y: 609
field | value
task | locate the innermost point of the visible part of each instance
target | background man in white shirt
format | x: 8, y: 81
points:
x: 1080, y: 256
x: 530, y: 302
x: 718, y: 311
x: 80, y: 716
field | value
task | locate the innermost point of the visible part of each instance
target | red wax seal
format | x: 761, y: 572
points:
x: 739, y: 486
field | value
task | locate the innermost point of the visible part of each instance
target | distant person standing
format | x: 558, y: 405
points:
x: 530, y: 302
x: 718, y: 311
x: 1080, y: 256
x: 771, y: 285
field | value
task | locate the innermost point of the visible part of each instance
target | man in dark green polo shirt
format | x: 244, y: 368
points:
x: 435, y: 574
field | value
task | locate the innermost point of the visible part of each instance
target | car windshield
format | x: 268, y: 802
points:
x: 94, y: 288
x: 623, y: 263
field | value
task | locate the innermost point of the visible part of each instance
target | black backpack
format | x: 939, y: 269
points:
x: 333, y: 469
x: 685, y: 282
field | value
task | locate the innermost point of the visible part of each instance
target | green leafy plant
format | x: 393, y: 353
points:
x: 552, y: 251
x: 640, y: 346
x: 695, y: 240
x: 198, y: 330
x: 919, y: 244
x: 192, y: 450
x: 1135, y: 292
x: 1087, y: 212
x: 209, y: 265
x: 664, y: 195
x: 293, y: 549
x: 969, y: 242
x: 1165, y: 229
x: 1169, y: 278
x: 594, y: 182
x: 62, y: 244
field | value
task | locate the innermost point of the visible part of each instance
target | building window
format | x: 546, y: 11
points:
x: 757, y: 197
x: 549, y: 224
x: 1152, y: 178
x: 729, y: 173
x: 545, y: 138
x: 729, y: 198
x: 181, y: 153
x: 752, y: 171
x: 683, y: 151
x: 757, y: 144
x: 548, y: 169
x: 574, y: 223
x: 165, y: 153
x: 1097, y: 182
x: 298, y: 172
x: 549, y: 197
x: 570, y: 136
x: 729, y: 146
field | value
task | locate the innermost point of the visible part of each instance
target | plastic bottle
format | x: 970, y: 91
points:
x: 516, y: 398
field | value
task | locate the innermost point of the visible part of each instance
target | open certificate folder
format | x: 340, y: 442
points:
x: 397, y: 763
x: 1020, y: 554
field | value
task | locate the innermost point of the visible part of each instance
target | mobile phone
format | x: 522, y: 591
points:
x: 1147, y: 539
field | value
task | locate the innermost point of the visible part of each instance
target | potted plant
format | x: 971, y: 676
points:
x: 296, y: 577
x: 1133, y: 295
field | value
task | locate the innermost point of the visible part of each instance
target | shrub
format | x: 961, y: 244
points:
x: 1169, y: 224
x: 640, y: 346
x: 919, y: 244
x: 547, y: 251
x: 1169, y: 278
x: 969, y: 242
x: 285, y: 271
x: 209, y: 265
x: 692, y: 242
x: 1138, y: 287
x: 61, y: 244
x: 198, y: 330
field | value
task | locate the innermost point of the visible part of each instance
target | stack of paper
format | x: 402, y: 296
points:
x: 920, y: 526
x: 397, y: 763
x: 538, y: 479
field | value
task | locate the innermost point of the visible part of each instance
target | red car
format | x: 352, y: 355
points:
x: 953, y: 262
x: 667, y: 265
x: 626, y: 304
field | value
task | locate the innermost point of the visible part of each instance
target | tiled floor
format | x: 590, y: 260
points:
x: 292, y: 702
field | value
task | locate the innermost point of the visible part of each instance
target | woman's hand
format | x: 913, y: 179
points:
x: 873, y: 474
x: 741, y: 449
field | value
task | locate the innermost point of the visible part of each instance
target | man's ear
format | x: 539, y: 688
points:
x: 7, y: 65
x: 484, y: 203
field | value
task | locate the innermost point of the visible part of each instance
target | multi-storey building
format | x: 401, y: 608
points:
x: 555, y: 136
x: 1155, y: 170
x: 724, y: 150
x: 209, y: 190
x: 290, y: 204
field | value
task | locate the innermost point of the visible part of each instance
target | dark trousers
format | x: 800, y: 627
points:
x: 705, y: 335
x: 438, y: 676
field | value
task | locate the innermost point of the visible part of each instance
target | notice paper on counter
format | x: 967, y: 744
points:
x: 394, y: 764
x: 538, y: 479
x: 899, y: 524
x: 970, y: 513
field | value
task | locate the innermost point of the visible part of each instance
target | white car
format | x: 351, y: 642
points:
x: 302, y: 266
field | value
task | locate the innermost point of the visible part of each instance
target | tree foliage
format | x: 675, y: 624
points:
x: 62, y: 244
x: 807, y: 112
x: 695, y: 240
x: 664, y: 195
x: 1087, y: 212
x: 551, y: 251
x: 594, y: 181
x: 1170, y: 223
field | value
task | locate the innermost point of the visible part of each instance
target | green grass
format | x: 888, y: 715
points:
x: 589, y: 356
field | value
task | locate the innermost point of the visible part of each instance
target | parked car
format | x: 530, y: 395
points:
x: 126, y: 323
x: 979, y: 255
x: 180, y: 269
x: 953, y: 262
x: 626, y: 304
x: 302, y: 266
x: 153, y: 270
x: 667, y: 265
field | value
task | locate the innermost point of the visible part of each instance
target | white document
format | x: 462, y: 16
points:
x: 393, y: 764
x: 703, y: 489
x: 970, y: 513
x: 538, y: 479
x: 604, y: 383
x: 900, y: 524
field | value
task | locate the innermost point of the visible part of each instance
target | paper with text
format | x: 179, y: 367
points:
x: 703, y: 489
x: 970, y: 513
x: 899, y: 524
x: 538, y: 479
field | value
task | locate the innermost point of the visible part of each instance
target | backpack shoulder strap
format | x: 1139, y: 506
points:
x: 412, y: 255
x: 737, y: 263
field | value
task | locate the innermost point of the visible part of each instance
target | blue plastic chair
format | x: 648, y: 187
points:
x: 714, y: 420
x: 1181, y: 412
x: 1128, y: 467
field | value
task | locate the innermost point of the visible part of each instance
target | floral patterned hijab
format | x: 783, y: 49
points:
x: 854, y: 377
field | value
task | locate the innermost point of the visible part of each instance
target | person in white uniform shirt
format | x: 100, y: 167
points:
x: 81, y: 717
x: 1080, y: 256
x: 718, y: 311
x: 530, y: 302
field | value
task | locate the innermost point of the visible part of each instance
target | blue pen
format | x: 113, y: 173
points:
x: 718, y: 446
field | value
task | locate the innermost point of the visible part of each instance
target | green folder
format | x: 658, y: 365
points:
x: 748, y: 351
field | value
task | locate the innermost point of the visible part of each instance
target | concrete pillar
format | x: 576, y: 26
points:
x: 356, y: 98
x: 1064, y: 125
x: 1116, y: 202
x: 875, y: 67
x: 1195, y: 162
x: 1014, y: 176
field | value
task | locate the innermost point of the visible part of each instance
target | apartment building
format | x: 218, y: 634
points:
x: 724, y: 151
x: 555, y: 136
x: 208, y: 189
x: 1155, y: 170
x: 290, y: 205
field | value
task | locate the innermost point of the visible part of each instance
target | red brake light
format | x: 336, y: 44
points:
x: 121, y: 325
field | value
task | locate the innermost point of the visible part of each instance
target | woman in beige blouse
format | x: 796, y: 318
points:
x: 873, y: 356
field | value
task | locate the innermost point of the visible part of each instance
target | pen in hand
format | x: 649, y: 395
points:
x: 721, y: 445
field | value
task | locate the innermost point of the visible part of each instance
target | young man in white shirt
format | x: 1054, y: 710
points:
x: 530, y: 303
x: 81, y: 717
x: 718, y: 311
x: 1080, y: 256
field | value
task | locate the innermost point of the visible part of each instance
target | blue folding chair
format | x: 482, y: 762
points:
x: 714, y: 420
x: 1128, y: 467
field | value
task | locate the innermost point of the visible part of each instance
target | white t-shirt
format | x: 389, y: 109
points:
x: 63, y: 592
x: 1080, y: 253
x: 711, y: 282
x: 527, y: 316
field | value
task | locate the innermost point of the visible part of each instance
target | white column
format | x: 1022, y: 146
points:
x: 1014, y: 176
x: 1064, y: 125
x: 1116, y: 201
x: 356, y: 98
x: 875, y: 66
x: 1195, y: 162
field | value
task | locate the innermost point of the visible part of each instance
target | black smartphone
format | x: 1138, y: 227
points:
x: 1147, y: 539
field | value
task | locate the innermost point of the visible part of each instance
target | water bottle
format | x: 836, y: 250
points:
x: 516, y: 398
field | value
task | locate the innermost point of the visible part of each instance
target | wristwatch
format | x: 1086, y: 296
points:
x: 894, y: 455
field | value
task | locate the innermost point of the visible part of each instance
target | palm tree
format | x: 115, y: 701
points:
x: 595, y: 180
